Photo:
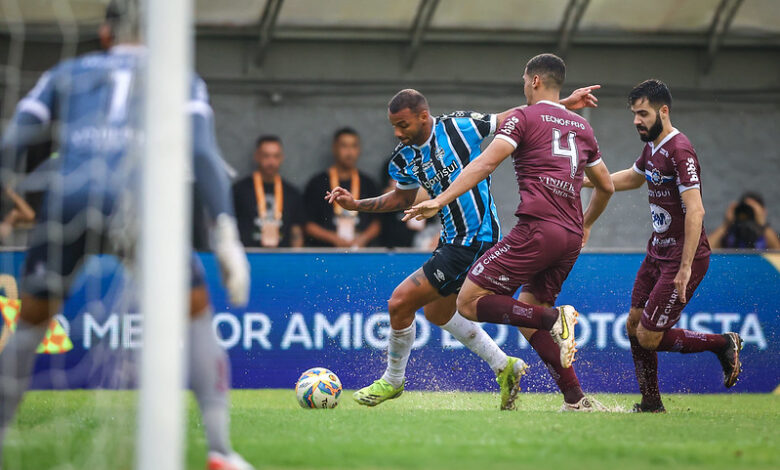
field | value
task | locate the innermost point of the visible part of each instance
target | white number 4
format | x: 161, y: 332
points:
x: 570, y: 153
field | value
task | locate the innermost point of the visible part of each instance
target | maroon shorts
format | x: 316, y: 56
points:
x: 654, y: 291
x: 536, y: 254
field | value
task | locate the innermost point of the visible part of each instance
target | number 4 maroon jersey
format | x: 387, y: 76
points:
x: 671, y: 168
x: 552, y: 148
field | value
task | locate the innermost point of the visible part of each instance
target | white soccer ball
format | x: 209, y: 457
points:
x: 318, y: 387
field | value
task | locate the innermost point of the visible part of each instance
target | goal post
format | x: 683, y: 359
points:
x: 165, y: 244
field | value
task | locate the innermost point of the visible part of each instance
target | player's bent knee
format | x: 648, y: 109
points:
x: 648, y: 339
x: 395, y: 304
x: 632, y: 322
x: 467, y: 307
x: 631, y: 327
x: 401, y: 316
x: 398, y: 306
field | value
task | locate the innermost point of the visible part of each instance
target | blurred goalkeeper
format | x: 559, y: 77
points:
x: 90, y: 106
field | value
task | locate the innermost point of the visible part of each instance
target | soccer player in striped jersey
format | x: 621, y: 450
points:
x: 432, y: 153
x: 91, y: 106
x: 551, y: 149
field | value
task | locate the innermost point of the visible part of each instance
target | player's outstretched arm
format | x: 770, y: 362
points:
x: 627, y: 179
x: 623, y: 180
x: 501, y: 117
x: 395, y: 200
x: 476, y: 171
x: 582, y: 98
x: 602, y: 182
x: 579, y: 98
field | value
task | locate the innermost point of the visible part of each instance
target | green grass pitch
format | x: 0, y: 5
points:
x: 420, y: 430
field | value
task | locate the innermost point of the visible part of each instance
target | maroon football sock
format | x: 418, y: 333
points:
x: 646, y: 367
x: 508, y: 311
x: 687, y: 341
x: 550, y: 353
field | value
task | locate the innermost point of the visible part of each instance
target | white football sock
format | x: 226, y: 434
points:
x: 475, y: 338
x: 398, y: 349
x: 209, y: 371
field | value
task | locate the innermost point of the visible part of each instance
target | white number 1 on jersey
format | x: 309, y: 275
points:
x: 122, y: 79
x: 570, y: 153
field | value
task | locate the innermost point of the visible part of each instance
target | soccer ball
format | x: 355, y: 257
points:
x: 318, y: 388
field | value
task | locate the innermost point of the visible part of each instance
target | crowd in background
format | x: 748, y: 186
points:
x: 272, y: 213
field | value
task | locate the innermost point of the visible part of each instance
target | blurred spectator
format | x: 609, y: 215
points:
x: 21, y: 215
x: 331, y: 225
x: 399, y: 234
x: 745, y: 226
x: 22, y: 199
x: 269, y: 211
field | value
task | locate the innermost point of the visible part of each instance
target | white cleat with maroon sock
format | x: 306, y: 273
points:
x: 562, y: 333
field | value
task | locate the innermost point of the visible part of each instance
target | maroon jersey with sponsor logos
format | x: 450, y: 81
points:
x: 552, y: 148
x: 670, y: 169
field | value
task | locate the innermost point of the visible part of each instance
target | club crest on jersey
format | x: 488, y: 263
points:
x: 439, y: 153
x: 478, y: 268
x: 662, y: 219
x: 655, y: 176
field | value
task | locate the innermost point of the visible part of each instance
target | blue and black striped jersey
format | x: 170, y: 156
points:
x: 454, y: 141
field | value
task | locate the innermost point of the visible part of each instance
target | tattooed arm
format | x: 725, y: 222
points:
x: 395, y: 200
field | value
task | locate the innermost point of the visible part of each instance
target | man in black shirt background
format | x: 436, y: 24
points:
x: 331, y: 225
x: 269, y: 211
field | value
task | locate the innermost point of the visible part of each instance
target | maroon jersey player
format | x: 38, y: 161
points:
x: 678, y: 253
x: 551, y: 149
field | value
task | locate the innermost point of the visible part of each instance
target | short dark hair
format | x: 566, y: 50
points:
x: 654, y: 91
x: 114, y: 11
x: 344, y: 131
x: 122, y: 16
x: 550, y: 68
x: 408, y: 98
x: 267, y: 138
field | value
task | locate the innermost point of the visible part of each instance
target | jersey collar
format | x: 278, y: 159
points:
x: 430, y: 137
x: 654, y: 149
x: 551, y: 103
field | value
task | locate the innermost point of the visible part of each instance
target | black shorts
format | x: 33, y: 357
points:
x: 449, y: 265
